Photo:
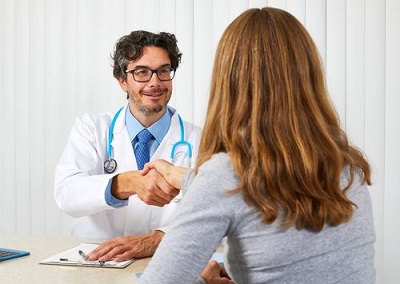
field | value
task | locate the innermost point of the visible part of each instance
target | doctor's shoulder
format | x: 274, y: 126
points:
x: 192, y: 129
x: 95, y: 123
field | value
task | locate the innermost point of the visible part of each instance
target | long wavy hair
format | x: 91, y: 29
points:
x: 269, y: 109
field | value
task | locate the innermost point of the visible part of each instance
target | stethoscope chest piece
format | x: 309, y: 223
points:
x: 110, y: 165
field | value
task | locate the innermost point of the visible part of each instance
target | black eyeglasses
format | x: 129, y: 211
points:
x: 144, y: 74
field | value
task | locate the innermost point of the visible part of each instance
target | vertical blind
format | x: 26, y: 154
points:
x: 55, y: 65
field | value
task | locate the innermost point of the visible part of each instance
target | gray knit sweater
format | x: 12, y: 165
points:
x: 256, y: 252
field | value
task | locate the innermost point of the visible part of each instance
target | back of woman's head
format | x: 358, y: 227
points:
x: 269, y: 109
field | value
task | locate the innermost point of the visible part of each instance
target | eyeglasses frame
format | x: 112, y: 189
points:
x: 152, y: 72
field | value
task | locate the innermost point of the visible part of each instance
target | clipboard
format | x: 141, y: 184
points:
x: 72, y: 257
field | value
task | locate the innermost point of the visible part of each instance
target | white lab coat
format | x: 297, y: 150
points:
x: 80, y: 180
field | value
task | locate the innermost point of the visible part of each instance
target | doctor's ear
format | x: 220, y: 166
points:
x: 122, y: 82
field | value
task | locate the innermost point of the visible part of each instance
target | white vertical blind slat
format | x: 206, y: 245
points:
x: 2, y: 17
x: 281, y: 4
x: 203, y: 56
x: 257, y: 3
x: 221, y: 17
x: 375, y: 110
x: 298, y: 9
x: 235, y: 7
x: 355, y: 72
x: 336, y: 55
x: 143, y: 15
x: 112, y: 26
x: 391, y: 181
x: 184, y: 83
x: 38, y: 117
x: 53, y: 95
x: 316, y: 24
x: 21, y: 108
x: 168, y: 24
x: 8, y: 90
x: 168, y: 16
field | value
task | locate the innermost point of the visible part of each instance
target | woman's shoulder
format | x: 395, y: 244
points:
x: 219, y: 169
x: 220, y: 160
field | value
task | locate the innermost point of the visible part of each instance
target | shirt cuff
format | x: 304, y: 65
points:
x: 111, y: 200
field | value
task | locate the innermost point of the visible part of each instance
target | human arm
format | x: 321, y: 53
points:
x: 80, y: 181
x: 126, y: 247
x: 205, y: 216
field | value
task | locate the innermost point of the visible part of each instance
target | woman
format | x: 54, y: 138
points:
x: 275, y: 173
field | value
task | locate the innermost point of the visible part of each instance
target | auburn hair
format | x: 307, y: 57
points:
x: 269, y: 109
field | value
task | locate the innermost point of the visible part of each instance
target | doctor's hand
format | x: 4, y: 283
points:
x: 151, y: 188
x: 172, y: 174
x: 214, y: 273
x: 126, y: 247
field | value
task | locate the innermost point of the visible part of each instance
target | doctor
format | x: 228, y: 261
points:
x: 98, y: 180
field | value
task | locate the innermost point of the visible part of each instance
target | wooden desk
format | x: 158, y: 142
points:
x: 28, y: 270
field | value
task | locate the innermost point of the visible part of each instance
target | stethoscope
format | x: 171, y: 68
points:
x: 111, y: 164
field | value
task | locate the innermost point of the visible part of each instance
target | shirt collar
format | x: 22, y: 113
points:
x: 158, y: 129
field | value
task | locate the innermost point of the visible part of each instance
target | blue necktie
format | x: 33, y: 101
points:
x: 142, y: 152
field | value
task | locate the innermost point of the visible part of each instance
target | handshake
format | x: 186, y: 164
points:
x: 171, y: 178
x: 157, y: 184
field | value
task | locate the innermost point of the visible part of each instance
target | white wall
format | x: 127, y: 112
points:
x: 55, y: 65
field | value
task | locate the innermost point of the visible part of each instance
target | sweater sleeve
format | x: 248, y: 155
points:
x: 204, y: 217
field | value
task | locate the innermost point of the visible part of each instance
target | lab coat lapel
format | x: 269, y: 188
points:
x: 122, y: 146
x: 172, y: 136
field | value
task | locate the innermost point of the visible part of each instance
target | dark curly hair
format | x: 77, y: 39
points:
x: 130, y: 48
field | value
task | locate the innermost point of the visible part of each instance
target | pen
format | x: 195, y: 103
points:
x: 86, y: 257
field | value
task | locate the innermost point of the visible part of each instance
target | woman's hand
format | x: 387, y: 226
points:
x: 172, y: 174
x: 215, y: 273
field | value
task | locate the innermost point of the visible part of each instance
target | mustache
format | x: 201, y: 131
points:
x: 153, y: 91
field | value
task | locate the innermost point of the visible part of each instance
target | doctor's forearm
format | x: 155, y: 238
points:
x: 151, y: 188
x: 123, y: 184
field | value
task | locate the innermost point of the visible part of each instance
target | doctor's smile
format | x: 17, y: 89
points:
x: 154, y: 93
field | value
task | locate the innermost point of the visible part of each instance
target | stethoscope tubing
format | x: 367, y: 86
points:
x: 182, y: 141
x: 110, y: 133
x: 111, y: 164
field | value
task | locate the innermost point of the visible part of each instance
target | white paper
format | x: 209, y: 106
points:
x: 72, y: 257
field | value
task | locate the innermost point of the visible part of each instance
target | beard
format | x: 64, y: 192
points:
x: 145, y: 109
x: 148, y: 110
